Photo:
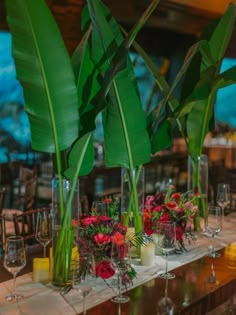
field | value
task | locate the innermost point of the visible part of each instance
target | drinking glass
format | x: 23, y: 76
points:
x: 14, y: 261
x: 223, y: 196
x: 99, y: 207
x: 120, y: 264
x: 44, y: 229
x: 167, y: 243
x: 84, y: 278
x: 165, y: 305
x: 214, y: 226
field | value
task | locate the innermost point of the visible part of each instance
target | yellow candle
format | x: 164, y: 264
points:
x: 41, y: 269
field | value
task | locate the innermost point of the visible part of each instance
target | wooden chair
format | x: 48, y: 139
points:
x: 25, y: 223
x: 2, y: 198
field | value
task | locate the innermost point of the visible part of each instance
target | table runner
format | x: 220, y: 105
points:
x: 45, y: 299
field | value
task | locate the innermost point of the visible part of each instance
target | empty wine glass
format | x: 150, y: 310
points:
x: 223, y: 196
x: 44, y: 229
x: 84, y: 279
x: 165, y: 305
x: 167, y: 243
x: 14, y: 261
x: 119, y: 263
x: 99, y: 207
x: 213, y: 227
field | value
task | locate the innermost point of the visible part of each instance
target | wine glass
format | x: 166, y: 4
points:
x: 167, y: 243
x: 214, y: 226
x: 165, y: 305
x: 43, y: 232
x: 121, y: 266
x: 14, y: 261
x: 84, y: 278
x: 99, y: 207
x: 223, y: 196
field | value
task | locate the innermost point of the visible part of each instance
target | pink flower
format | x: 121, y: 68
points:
x: 149, y: 200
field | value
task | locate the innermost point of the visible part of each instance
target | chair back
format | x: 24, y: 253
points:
x: 2, y: 198
x: 3, y: 232
x: 25, y: 223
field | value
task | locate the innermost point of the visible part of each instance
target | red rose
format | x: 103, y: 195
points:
x: 89, y: 220
x: 157, y: 209
x: 104, y: 269
x: 101, y: 239
x: 118, y: 238
x: 179, y: 233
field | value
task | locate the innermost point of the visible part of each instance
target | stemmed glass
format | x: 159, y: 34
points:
x: 166, y: 305
x: 84, y: 278
x: 44, y: 229
x: 223, y: 196
x: 214, y: 226
x: 167, y: 243
x: 119, y: 263
x: 14, y: 261
x: 99, y: 207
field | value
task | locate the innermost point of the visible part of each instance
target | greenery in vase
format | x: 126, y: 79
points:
x: 64, y: 95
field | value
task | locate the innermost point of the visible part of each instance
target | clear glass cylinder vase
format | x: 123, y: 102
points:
x: 132, y: 201
x: 65, y: 213
x: 198, y: 186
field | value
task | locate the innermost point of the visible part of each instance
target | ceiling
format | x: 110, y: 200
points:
x: 184, y: 17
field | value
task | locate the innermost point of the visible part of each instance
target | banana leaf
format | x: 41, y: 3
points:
x: 120, y: 128
x: 44, y: 69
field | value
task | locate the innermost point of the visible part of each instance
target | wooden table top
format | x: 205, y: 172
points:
x: 192, y: 291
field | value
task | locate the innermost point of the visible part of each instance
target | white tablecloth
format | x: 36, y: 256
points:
x: 42, y: 299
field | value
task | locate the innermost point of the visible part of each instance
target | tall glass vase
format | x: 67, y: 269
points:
x: 132, y: 201
x: 198, y: 186
x: 65, y: 213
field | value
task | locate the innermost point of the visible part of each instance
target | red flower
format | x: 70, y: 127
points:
x: 118, y: 238
x: 148, y: 226
x: 171, y: 205
x: 157, y: 209
x: 120, y: 228
x: 104, y: 269
x: 101, y: 239
x: 176, y: 196
x: 107, y: 200
x: 165, y: 217
x: 89, y: 220
x: 104, y: 218
x: 179, y: 233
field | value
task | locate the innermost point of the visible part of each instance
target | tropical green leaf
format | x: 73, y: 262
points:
x: 163, y: 137
x: 221, y: 33
x: 120, y: 128
x: 44, y: 69
x: 81, y: 157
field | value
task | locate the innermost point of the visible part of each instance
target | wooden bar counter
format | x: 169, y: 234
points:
x: 193, y: 291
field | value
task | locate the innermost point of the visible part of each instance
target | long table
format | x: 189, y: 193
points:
x: 194, y: 290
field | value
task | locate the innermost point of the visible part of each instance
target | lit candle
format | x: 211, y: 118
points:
x: 148, y: 254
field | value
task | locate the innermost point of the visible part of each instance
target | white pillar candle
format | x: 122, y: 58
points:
x: 148, y: 254
x: 155, y: 237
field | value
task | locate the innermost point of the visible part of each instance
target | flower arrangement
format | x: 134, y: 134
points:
x: 172, y: 206
x: 96, y: 236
